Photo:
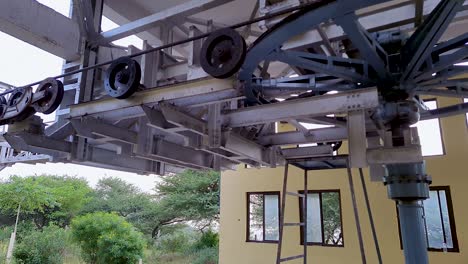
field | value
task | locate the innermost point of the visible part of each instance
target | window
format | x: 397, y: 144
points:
x: 324, y: 225
x: 439, y: 221
x: 263, y: 217
x: 429, y: 133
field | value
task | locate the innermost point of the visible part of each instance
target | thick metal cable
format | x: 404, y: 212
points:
x: 245, y: 23
x: 371, y: 218
x: 356, y: 214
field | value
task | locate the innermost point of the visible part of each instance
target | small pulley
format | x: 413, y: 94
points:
x: 17, y: 107
x: 51, y: 94
x: 122, y: 78
x: 223, y: 53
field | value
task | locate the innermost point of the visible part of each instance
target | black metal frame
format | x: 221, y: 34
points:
x: 248, y: 194
x: 320, y: 192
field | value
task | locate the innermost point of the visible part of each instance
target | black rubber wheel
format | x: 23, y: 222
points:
x: 122, y: 78
x: 223, y: 53
x: 53, y: 97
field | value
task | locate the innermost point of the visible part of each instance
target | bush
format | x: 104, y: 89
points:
x: 42, y: 247
x: 107, y: 238
x: 208, y: 239
x: 179, y: 241
x: 207, y: 256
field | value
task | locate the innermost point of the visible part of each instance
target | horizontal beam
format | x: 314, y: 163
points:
x: 183, y: 10
x: 307, y: 152
x: 40, y: 26
x: 200, y: 87
x: 298, y: 137
x: 304, y: 107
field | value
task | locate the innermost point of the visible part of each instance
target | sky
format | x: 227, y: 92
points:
x: 27, y: 64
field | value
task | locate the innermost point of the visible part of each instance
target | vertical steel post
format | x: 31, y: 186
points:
x: 412, y: 232
x: 304, y: 214
x: 408, y: 184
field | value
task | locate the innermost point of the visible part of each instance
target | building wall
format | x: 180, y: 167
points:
x: 445, y: 170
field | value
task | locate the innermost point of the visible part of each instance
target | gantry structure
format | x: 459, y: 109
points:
x: 214, y: 77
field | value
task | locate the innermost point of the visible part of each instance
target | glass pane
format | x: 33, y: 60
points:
x: 331, y: 218
x: 435, y: 235
x: 271, y: 217
x: 314, y: 226
x: 256, y: 217
x: 429, y: 134
x: 445, y: 217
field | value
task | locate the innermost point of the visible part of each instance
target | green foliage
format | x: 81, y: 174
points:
x: 115, y: 195
x: 189, y: 196
x: 208, y: 239
x: 178, y: 241
x: 107, y: 238
x: 44, y: 199
x: 332, y: 218
x: 42, y: 247
x: 207, y: 256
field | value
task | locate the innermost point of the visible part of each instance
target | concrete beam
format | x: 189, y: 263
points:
x: 40, y: 26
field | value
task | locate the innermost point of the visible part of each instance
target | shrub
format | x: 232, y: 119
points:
x: 208, y: 239
x: 207, y: 256
x: 107, y: 238
x: 42, y: 247
x: 179, y: 241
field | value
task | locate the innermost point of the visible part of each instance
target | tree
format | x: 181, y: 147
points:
x: 45, y: 198
x: 188, y: 196
x: 107, y: 238
x: 115, y: 195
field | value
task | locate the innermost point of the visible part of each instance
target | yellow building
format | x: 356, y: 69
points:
x: 242, y: 241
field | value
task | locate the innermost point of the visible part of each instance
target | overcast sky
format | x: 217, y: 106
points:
x: 22, y: 64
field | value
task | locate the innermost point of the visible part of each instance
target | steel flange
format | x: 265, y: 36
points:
x: 223, y: 53
x: 53, y: 95
x: 122, y: 78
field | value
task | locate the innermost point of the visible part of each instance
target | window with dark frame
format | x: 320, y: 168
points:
x: 263, y: 216
x: 324, y: 222
x: 439, y: 221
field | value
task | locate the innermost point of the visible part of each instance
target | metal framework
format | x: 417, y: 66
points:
x: 357, y: 66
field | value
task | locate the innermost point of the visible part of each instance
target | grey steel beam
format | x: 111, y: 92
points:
x: 40, y: 26
x: 304, y: 107
x: 364, y: 42
x: 357, y: 143
x: 142, y: 24
x: 324, y: 64
x: 445, y: 111
x: 420, y: 45
x: 462, y: 93
x: 37, y: 144
x: 307, y: 152
x: 296, y: 137
x: 199, y: 87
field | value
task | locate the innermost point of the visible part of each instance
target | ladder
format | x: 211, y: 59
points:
x: 302, y: 223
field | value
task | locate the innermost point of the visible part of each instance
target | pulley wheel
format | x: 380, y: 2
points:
x: 122, y: 78
x: 53, y: 96
x: 223, y: 53
x: 20, y: 100
x: 3, y: 105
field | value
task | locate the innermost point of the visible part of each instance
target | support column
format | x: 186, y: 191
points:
x: 408, y: 184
